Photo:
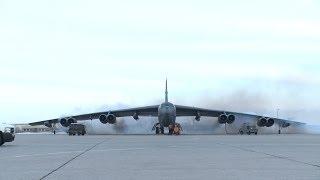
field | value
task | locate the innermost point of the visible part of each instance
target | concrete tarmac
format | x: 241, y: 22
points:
x: 161, y: 157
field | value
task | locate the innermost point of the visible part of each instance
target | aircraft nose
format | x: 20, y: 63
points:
x: 168, y: 110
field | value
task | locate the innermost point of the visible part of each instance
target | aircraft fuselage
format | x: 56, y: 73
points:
x: 166, y: 114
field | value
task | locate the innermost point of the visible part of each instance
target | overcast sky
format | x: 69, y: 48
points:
x: 70, y: 57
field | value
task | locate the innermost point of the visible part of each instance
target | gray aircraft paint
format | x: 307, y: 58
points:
x: 166, y: 111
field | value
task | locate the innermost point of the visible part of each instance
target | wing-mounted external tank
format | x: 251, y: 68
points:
x: 135, y: 116
x: 198, y: 116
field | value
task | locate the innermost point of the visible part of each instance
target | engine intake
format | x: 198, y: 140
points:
x: 223, y: 118
x: 231, y: 118
x: 103, y: 119
x: 262, y: 122
x: 110, y: 118
x: 270, y: 122
x: 64, y: 122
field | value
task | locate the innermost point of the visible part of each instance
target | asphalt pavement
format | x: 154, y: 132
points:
x: 161, y: 157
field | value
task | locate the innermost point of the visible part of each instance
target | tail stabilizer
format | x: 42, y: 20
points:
x: 166, y: 98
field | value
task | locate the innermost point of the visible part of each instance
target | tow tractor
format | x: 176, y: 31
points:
x: 174, y: 129
x: 248, y: 129
x: 78, y: 129
x: 6, y: 133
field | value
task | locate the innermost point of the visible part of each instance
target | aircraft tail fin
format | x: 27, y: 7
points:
x: 166, y: 98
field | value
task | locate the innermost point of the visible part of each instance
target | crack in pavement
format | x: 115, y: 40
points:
x: 75, y: 157
x: 272, y: 155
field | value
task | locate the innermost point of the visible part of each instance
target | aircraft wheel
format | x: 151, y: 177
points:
x: 241, y: 132
x: 1, y: 139
x: 256, y: 133
x: 157, y: 130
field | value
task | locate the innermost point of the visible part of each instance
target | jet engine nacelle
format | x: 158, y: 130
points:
x: 135, y: 116
x: 231, y: 118
x: 64, y: 122
x: 262, y: 122
x: 103, y: 119
x: 223, y: 118
x: 270, y: 122
x: 198, y: 117
x: 110, y: 118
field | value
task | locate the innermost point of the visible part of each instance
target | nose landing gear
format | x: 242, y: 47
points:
x: 158, y: 128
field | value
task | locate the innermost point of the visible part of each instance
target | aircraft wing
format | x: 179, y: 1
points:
x: 153, y: 111
x: 51, y: 121
x: 140, y: 111
x: 194, y: 111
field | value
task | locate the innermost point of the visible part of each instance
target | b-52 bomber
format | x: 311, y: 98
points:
x: 167, y: 113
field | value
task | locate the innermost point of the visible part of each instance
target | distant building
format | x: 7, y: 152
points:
x: 21, y: 128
